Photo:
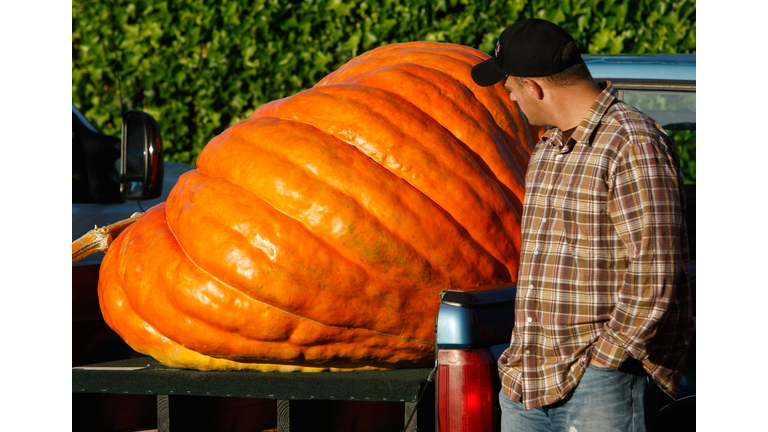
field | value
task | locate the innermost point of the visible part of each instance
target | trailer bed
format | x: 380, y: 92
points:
x: 299, y: 395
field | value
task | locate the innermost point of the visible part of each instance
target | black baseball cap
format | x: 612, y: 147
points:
x: 530, y: 48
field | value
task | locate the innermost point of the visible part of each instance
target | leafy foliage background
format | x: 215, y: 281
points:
x: 198, y: 66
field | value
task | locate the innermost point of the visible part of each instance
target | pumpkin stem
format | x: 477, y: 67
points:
x: 99, y: 239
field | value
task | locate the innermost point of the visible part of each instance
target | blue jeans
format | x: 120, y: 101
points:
x: 605, y: 400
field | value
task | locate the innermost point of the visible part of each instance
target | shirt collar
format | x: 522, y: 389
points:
x: 588, y: 124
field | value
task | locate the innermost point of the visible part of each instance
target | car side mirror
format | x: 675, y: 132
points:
x: 141, y: 150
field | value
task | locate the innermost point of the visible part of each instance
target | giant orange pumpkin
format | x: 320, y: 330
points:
x: 318, y: 233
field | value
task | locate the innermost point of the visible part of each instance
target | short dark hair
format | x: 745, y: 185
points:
x: 569, y: 76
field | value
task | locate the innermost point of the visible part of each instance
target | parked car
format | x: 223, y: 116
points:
x: 664, y: 87
x: 101, y: 197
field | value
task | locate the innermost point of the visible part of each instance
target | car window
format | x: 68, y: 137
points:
x: 671, y: 109
x: 94, y: 177
x: 79, y: 175
x: 675, y: 111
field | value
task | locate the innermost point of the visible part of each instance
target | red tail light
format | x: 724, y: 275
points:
x: 466, y: 390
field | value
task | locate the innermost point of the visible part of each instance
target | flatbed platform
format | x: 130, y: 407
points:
x: 296, y: 393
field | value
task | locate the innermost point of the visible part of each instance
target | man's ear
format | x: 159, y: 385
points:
x: 534, y: 88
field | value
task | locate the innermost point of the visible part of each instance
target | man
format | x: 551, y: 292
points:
x: 603, y: 315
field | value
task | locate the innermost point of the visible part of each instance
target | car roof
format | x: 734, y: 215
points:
x: 677, y: 67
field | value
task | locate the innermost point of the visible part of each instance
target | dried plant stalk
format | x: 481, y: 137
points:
x: 99, y: 239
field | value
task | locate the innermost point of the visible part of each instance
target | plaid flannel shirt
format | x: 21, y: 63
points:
x: 604, y: 266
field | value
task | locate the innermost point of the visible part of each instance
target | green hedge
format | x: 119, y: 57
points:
x: 198, y: 66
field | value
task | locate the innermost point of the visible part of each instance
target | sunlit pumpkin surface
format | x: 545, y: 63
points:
x: 318, y: 233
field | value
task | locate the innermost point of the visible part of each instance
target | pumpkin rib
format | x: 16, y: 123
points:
x: 265, y: 304
x: 301, y: 317
x: 384, y: 196
x: 394, y: 50
x: 146, y: 339
x: 393, y: 165
x: 391, y: 202
x: 202, y: 331
x: 408, y: 144
x: 287, y: 290
x: 470, y: 268
x: 441, y: 60
x: 514, y: 126
x: 459, y: 112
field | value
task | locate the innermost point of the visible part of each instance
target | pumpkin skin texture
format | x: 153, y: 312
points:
x: 450, y: 103
x: 318, y: 233
x: 457, y: 61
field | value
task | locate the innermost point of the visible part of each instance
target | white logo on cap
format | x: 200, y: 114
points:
x: 498, y: 48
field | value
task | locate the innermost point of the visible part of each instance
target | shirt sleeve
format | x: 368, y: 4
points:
x: 646, y: 210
